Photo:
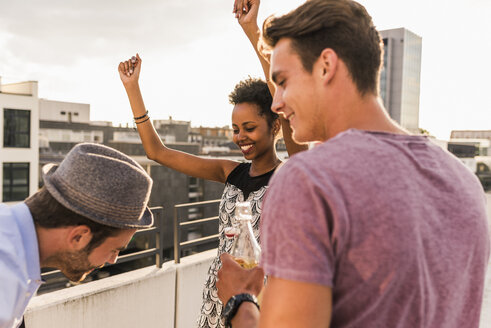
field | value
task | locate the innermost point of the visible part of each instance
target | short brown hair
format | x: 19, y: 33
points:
x: 48, y: 213
x: 341, y: 25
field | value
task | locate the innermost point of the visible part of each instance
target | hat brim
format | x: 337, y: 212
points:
x: 146, y: 221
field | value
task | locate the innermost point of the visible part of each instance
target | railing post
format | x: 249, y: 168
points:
x: 178, y: 224
x: 159, y: 240
x: 161, y: 249
x: 177, y: 237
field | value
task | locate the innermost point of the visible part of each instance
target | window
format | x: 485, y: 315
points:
x: 15, y: 181
x: 17, y: 128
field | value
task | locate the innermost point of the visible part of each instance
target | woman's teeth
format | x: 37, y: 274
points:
x: 245, y: 147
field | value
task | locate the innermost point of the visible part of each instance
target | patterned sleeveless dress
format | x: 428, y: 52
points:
x: 239, y: 187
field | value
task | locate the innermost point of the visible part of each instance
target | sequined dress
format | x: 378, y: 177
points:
x: 238, y: 186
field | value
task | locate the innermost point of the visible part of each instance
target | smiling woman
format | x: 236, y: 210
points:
x: 255, y: 131
x: 252, y: 118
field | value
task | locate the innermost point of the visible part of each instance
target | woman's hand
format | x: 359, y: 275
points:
x: 246, y: 12
x: 129, y: 71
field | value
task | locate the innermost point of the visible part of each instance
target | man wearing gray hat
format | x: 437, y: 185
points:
x: 86, y: 213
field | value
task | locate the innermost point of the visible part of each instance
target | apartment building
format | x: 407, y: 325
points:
x: 19, y: 155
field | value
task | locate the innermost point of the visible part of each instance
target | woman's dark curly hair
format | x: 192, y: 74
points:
x: 254, y: 91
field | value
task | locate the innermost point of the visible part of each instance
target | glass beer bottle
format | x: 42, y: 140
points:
x: 245, y: 249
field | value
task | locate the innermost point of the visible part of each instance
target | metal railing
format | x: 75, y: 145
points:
x: 179, y: 246
x: 157, y: 251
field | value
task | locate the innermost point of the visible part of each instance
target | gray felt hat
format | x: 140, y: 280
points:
x: 101, y: 184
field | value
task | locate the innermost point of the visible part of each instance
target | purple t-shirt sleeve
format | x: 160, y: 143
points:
x: 296, y: 226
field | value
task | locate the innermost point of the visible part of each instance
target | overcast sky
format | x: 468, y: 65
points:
x: 194, y: 53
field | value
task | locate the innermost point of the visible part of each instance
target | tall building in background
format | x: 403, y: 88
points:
x: 400, y: 76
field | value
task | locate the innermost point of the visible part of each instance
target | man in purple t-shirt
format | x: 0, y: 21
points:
x: 374, y: 227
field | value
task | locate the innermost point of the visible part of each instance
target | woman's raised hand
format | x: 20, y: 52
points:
x: 246, y: 12
x: 129, y: 71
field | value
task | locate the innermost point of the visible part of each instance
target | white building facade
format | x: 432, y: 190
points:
x: 19, y: 154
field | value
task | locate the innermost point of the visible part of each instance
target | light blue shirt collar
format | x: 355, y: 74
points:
x: 27, y: 230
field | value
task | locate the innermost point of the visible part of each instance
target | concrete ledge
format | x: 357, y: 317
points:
x: 191, y: 276
x: 141, y: 298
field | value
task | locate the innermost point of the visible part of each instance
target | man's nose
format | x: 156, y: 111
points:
x: 113, y: 258
x: 278, y: 103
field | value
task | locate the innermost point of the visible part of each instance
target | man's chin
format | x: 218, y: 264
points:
x: 77, y: 277
x: 298, y: 138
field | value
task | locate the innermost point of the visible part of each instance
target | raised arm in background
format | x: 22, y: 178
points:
x: 246, y: 13
x: 210, y: 169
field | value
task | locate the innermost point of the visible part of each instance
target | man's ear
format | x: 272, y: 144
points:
x: 328, y: 63
x: 78, y: 237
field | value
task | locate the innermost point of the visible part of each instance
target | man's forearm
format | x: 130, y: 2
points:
x: 247, y: 316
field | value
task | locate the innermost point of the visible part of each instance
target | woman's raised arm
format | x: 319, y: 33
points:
x: 246, y: 12
x: 210, y: 169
